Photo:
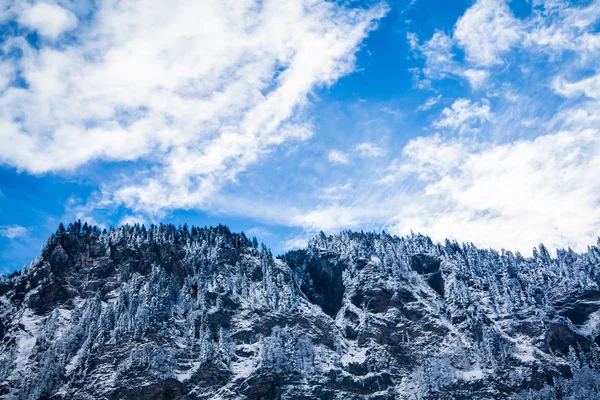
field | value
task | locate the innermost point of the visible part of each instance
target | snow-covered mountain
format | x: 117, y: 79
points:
x: 203, y: 313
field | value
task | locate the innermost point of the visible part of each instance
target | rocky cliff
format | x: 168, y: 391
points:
x: 203, y: 313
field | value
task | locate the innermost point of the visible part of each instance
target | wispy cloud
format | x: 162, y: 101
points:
x: 48, y: 19
x: 367, y: 149
x: 463, y: 112
x: 439, y: 58
x: 335, y: 192
x: 476, y: 77
x: 13, y: 231
x: 589, y: 87
x: 487, y: 30
x: 440, y: 62
x: 338, y: 157
x: 131, y: 220
x: 259, y: 232
x: 297, y: 242
x: 561, y: 27
x: 430, y: 102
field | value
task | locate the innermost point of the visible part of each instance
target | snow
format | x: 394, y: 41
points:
x: 65, y: 313
x: 525, y: 353
x: 113, y: 296
x: 27, y: 339
x: 243, y: 367
x: 24, y: 350
x: 4, y: 301
x: 472, y: 375
x: 184, y: 375
x: 591, y: 325
x: 357, y: 356
x: 73, y: 361
x: 30, y: 321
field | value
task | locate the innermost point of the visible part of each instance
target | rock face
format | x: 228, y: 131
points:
x: 168, y: 313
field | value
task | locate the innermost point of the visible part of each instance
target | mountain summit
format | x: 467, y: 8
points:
x: 203, y: 313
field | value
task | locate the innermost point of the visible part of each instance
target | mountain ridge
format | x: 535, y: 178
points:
x: 166, y: 312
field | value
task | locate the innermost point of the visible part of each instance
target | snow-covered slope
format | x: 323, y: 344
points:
x: 201, y: 313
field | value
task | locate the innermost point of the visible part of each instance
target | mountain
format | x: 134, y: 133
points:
x: 203, y: 313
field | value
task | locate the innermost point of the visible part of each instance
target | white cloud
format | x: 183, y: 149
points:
x: 198, y: 90
x: 7, y: 73
x: 298, y: 242
x: 562, y: 28
x: 48, y: 19
x: 486, y: 30
x: 413, y: 40
x: 438, y: 55
x: 367, y: 149
x: 589, y: 87
x: 476, y: 77
x: 491, y: 35
x: 12, y: 231
x: 333, y: 217
x: 428, y: 157
x: 337, y: 157
x: 335, y: 192
x: 514, y: 195
x: 132, y: 220
x: 463, y: 112
x: 440, y: 62
x: 258, y: 232
x: 430, y: 102
x: 75, y: 209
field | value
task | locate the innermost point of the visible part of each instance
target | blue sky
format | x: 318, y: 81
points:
x: 472, y: 120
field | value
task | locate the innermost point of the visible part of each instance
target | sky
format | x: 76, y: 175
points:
x: 476, y: 121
